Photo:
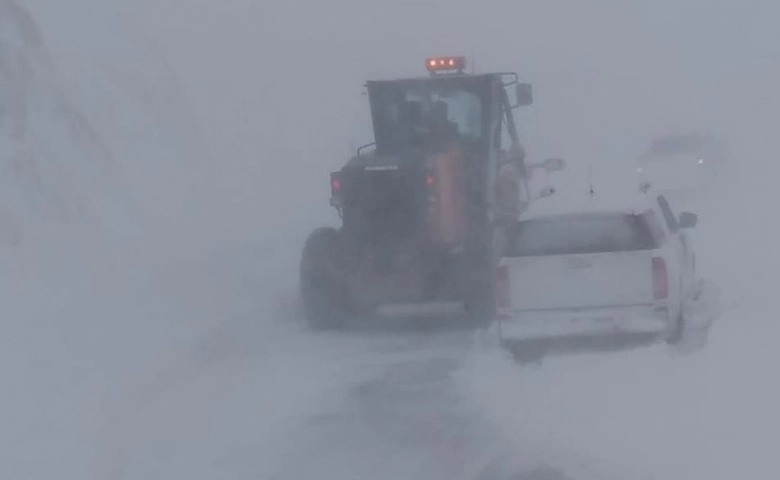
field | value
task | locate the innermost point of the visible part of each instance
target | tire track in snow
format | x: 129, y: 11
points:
x: 410, y: 419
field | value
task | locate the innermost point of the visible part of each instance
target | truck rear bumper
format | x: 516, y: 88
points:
x: 422, y: 308
x: 588, y: 322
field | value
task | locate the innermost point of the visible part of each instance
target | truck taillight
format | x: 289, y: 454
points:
x: 660, y: 279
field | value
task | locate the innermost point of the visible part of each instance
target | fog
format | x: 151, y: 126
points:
x: 170, y: 345
x: 608, y: 76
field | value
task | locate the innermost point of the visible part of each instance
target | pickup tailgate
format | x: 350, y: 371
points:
x: 579, y: 281
x: 580, y: 261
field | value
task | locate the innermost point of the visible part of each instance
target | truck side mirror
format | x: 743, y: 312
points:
x: 524, y: 95
x: 547, y: 192
x: 554, y: 164
x: 687, y: 220
x: 516, y: 153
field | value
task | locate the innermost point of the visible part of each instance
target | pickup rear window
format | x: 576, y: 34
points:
x: 585, y: 233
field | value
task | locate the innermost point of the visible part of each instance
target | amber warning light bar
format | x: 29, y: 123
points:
x: 445, y: 64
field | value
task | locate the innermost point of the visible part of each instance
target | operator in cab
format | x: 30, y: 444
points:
x: 431, y: 129
x: 442, y: 131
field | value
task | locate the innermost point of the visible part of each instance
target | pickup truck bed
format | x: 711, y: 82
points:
x: 594, y: 274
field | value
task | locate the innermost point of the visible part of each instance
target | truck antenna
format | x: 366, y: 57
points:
x: 590, y: 180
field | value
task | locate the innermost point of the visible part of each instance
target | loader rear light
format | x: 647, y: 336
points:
x: 335, y: 185
x: 445, y: 64
x: 660, y: 279
x: 431, y: 189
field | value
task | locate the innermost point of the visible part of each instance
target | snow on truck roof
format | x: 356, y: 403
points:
x: 552, y: 207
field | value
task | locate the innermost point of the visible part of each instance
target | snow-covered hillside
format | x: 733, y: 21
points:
x: 55, y: 169
x: 138, y: 104
x: 84, y: 167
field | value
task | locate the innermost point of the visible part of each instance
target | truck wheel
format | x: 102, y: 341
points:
x: 325, y: 298
x: 688, y: 339
x: 675, y: 335
x: 695, y: 320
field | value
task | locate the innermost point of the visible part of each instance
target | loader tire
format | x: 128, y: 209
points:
x: 325, y: 298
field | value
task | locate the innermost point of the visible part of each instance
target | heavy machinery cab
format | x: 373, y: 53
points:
x: 421, y: 204
x: 436, y: 139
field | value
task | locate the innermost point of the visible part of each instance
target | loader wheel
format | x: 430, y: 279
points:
x: 326, y: 302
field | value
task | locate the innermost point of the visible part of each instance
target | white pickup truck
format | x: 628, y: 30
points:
x: 596, y: 276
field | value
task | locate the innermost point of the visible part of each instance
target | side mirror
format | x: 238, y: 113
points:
x: 524, y: 95
x: 687, y: 220
x: 554, y: 165
x: 546, y: 192
x: 516, y: 153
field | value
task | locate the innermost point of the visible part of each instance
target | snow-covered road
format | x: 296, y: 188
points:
x: 383, y: 404
x: 256, y: 395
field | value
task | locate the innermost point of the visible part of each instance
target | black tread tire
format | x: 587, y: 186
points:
x: 325, y: 298
x: 676, y: 335
x: 690, y: 338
